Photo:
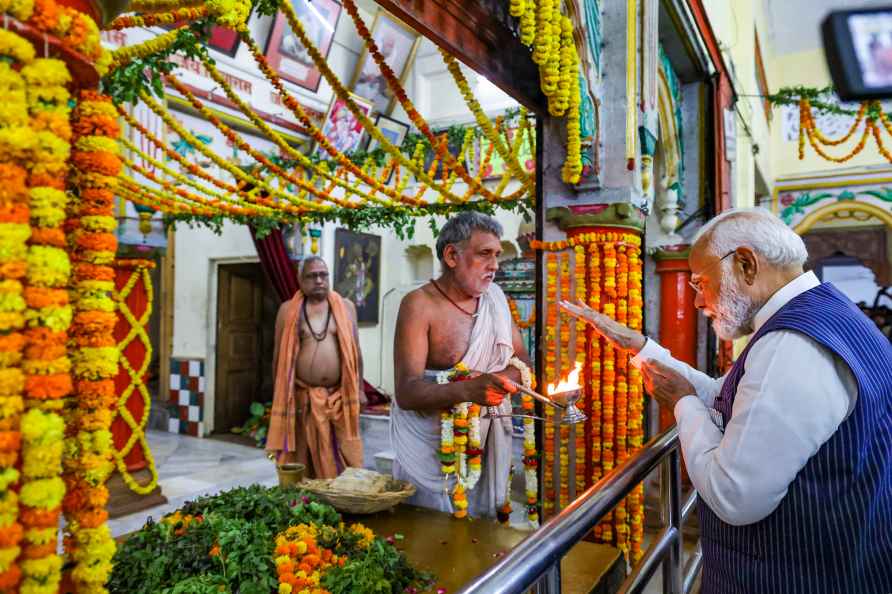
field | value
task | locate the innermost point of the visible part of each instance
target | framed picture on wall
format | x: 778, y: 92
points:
x: 393, y: 130
x: 358, y: 272
x: 288, y: 56
x: 223, y: 40
x: 341, y: 127
x: 397, y: 43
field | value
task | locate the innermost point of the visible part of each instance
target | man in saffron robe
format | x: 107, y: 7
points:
x: 317, y: 370
x: 463, y: 316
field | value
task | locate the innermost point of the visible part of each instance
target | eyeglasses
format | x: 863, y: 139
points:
x: 316, y: 275
x: 696, y: 284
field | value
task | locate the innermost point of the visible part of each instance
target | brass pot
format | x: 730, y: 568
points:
x: 290, y: 473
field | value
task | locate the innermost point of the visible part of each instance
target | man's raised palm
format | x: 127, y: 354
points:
x: 622, y: 337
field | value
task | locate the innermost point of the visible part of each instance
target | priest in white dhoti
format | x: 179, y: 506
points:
x: 462, y: 317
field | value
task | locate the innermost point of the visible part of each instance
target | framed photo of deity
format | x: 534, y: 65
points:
x: 358, y: 271
x: 341, y: 127
x: 222, y: 39
x: 288, y: 56
x: 398, y: 44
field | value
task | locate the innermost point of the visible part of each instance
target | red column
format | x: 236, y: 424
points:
x: 135, y: 352
x: 678, y: 315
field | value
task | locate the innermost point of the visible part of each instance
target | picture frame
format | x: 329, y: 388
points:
x: 398, y: 43
x: 287, y: 56
x: 222, y: 39
x: 394, y: 130
x: 341, y: 127
x: 358, y: 271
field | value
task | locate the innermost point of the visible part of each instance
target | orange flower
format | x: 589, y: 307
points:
x: 10, y: 441
x: 44, y: 337
x: 48, y: 387
x: 90, y: 518
x: 99, y: 242
x: 53, y: 122
x: 12, y: 183
x: 100, y: 388
x: 78, y: 31
x: 9, y: 458
x: 215, y: 551
x: 87, y: 271
x: 97, y: 161
x: 45, y: 16
x: 87, y: 322
x: 14, y: 270
x: 43, y: 236
x: 40, y: 297
x: 10, y: 578
x: 39, y: 518
x: 91, y: 340
x: 14, y: 213
x: 96, y: 125
x: 39, y: 551
x: 11, y: 535
x: 12, y: 342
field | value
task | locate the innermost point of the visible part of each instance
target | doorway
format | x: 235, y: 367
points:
x: 246, y: 317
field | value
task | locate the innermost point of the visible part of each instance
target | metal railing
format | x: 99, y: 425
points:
x: 536, y: 562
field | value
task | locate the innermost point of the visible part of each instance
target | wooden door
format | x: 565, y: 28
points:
x: 239, y: 320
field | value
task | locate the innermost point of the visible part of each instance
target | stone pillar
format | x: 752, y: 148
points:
x: 678, y: 315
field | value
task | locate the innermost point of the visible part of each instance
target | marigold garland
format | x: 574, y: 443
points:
x: 88, y: 459
x: 603, y: 268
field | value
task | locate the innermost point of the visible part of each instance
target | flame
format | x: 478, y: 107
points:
x: 566, y: 385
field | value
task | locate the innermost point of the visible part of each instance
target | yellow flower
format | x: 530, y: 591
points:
x: 46, y: 72
x: 16, y: 47
x: 8, y: 557
x: 16, y: 143
x: 43, y: 493
x: 54, y: 317
x: 98, y: 143
x: 40, y: 428
x: 41, y: 536
x: 48, y: 266
x: 42, y: 568
x: 12, y: 382
x: 20, y: 9
x: 9, y: 503
x: 11, y: 302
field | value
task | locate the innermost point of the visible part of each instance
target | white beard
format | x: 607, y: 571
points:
x: 734, y: 313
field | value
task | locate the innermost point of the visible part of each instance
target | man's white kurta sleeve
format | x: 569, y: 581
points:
x: 791, y: 399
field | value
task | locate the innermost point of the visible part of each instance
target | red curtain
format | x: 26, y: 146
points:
x: 277, y: 266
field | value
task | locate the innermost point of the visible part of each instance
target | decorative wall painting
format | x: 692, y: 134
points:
x: 397, y: 44
x: 341, y: 127
x: 357, y: 272
x: 496, y: 167
x: 287, y: 55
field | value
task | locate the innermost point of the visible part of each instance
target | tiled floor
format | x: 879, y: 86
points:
x: 189, y: 467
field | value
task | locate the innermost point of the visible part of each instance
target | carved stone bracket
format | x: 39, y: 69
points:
x: 621, y: 215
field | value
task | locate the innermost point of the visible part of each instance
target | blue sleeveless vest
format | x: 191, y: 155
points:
x: 832, y: 532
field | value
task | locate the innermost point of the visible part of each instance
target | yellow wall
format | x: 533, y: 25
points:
x: 810, y: 69
x: 734, y: 24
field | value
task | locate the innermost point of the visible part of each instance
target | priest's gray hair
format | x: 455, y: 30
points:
x: 757, y: 229
x: 309, y: 260
x: 459, y: 228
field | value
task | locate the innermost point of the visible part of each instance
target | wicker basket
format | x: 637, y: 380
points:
x: 358, y: 502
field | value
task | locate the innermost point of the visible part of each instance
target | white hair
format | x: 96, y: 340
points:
x: 757, y: 229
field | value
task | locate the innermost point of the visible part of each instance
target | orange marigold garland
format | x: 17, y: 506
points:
x: 88, y: 460
x: 49, y: 314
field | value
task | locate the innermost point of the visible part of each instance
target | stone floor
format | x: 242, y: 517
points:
x: 189, y: 467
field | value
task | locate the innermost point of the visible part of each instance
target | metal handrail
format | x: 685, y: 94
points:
x: 536, y: 560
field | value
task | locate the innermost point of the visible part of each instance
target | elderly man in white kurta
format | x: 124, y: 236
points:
x: 791, y: 451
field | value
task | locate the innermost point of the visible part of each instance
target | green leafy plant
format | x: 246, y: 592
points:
x: 226, y: 543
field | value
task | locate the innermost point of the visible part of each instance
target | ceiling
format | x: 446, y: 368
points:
x: 795, y: 25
